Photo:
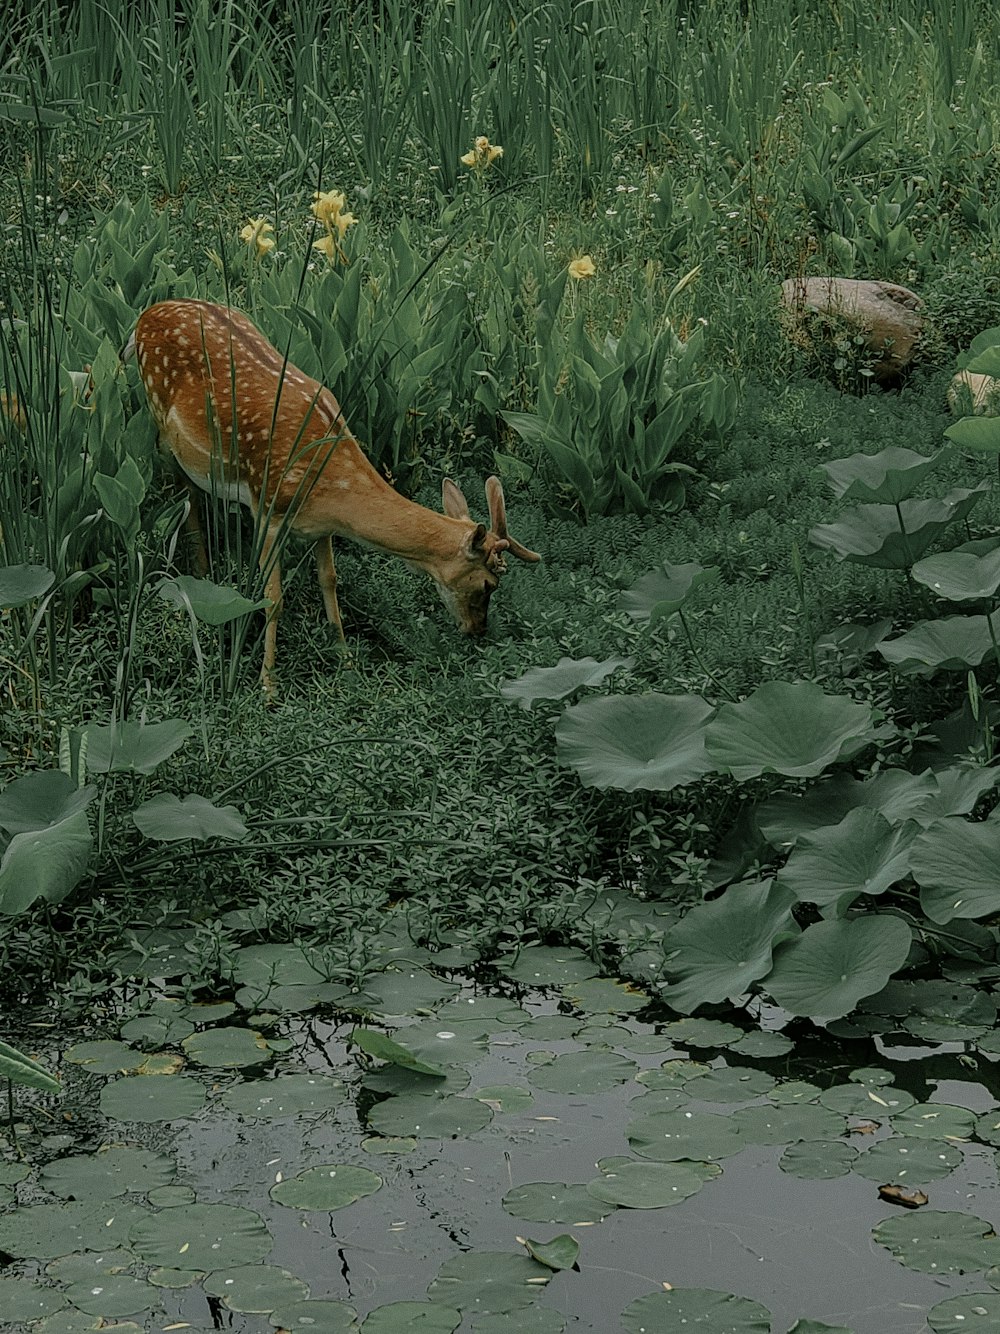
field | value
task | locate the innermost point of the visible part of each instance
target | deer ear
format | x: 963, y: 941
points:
x: 453, y: 502
x: 477, y: 539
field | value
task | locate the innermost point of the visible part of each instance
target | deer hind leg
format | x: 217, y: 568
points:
x: 326, y: 573
x: 193, y: 528
x: 270, y: 567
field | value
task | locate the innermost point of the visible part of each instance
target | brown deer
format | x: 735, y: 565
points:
x: 244, y: 424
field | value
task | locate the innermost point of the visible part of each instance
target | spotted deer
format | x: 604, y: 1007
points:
x: 244, y: 424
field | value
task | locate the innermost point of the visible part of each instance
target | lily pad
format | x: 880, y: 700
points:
x: 285, y: 1096
x: 908, y: 1160
x: 328, y: 1187
x: 644, y: 1185
x: 44, y: 1231
x: 202, y: 1236
x: 790, y: 728
x: 937, y: 1242
x: 316, y: 1317
x: 559, y: 1253
x: 636, y: 742
x: 89, y: 1266
x: 975, y: 1311
x: 256, y: 1289
x: 426, y: 1116
x: 529, y: 1320
x: 488, y: 1282
x: 406, y: 991
x: 511, y: 1098
x: 935, y: 1120
x: 603, y: 995
x: 683, y: 1308
x: 113, y: 1296
x: 818, y: 1160
x: 700, y: 1033
x: 399, y: 1317
x: 588, y: 1071
x: 104, y: 1057
x: 668, y: 1137
x: 785, y: 1123
x: 150, y: 1098
x: 557, y: 682
x: 117, y: 1170
x: 548, y: 966
x: 872, y: 1103
x: 825, y: 972
x: 22, y: 1300
x: 555, y: 1202
x: 227, y: 1048
x: 730, y: 1083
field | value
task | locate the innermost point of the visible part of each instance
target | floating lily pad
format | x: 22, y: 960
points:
x: 20, y: 1299
x: 790, y: 728
x: 113, y: 1296
x: 954, y: 862
x: 560, y: 1253
x: 434, y: 1046
x: 400, y: 1317
x: 730, y: 1083
x: 636, y: 742
x: 157, y: 953
x: 568, y: 675
x: 285, y: 1096
x: 548, y: 966
x: 76, y: 1322
x: 104, y: 1057
x: 505, y: 1097
x: 529, y: 1320
x: 908, y: 1160
x: 171, y: 1197
x: 975, y: 1311
x: 818, y: 1160
x: 603, y: 995
x: 488, y: 1282
x: 316, y: 1317
x: 668, y: 1137
x: 227, y: 1048
x: 702, y: 1033
x: 794, y: 1091
x: 117, y: 1170
x: 399, y: 991
x: 935, y: 1121
x: 256, y: 1289
x: 644, y: 1185
x: 785, y: 1123
x: 203, y: 1236
x: 935, y: 1242
x: 490, y: 1014
x: 161, y: 1025
x: 44, y: 1231
x: 588, y: 1071
x: 673, y: 1074
x: 555, y: 1202
x: 718, y: 1312
x: 150, y: 1098
x: 329, y: 1187
x: 825, y: 972
x: 762, y: 1045
x: 425, y: 1116
x: 89, y: 1266
x: 720, y: 948
x: 284, y: 965
x: 857, y: 1099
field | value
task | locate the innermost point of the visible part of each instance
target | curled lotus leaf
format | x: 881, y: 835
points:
x: 650, y: 742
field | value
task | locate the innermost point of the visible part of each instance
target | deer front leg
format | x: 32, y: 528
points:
x: 270, y: 567
x: 326, y: 573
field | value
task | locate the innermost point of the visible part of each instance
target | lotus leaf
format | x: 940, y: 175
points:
x: 316, y: 1317
x: 589, y: 1071
x: 327, y: 1187
x: 548, y: 965
x: 227, y: 1048
x: 980, y: 434
x: 720, y: 948
x: 426, y: 1116
x: 960, y: 576
x: 557, y: 682
x: 954, y: 862
x: 784, y: 1123
x: 787, y: 728
x: 530, y: 1320
x: 113, y: 1295
x: 935, y: 1120
x: 974, y: 1311
x: 826, y: 971
x: 660, y: 594
x: 559, y: 1253
x: 152, y: 1098
x: 863, y: 854
x: 650, y: 742
x: 876, y: 1103
x: 954, y: 643
x: 669, y: 1137
x: 700, y: 1033
x: 728, y: 1083
x: 888, y: 476
x: 871, y: 534
x: 44, y: 1231
x: 22, y: 1300
x: 119, y: 1169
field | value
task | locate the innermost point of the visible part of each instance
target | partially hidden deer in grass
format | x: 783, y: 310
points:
x: 244, y: 424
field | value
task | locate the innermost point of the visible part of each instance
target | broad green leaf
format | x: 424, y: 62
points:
x: 329, y: 1187
x: 671, y: 1136
x: 697, y: 1308
x: 908, y: 1160
x: 787, y: 728
x: 421, y: 1317
x: 557, y: 682
x: 202, y: 1236
x: 21, y: 1069
x: 44, y: 797
x: 559, y: 1253
x: 214, y: 604
x: 980, y: 434
x: 630, y: 1184
x: 22, y: 1301
x: 936, y: 1120
x: 886, y: 477
x: 871, y: 534
x: 955, y: 643
x: 588, y: 1071
x: 139, y: 747
x: 720, y: 948
x: 116, y: 1295
x: 658, y: 595
x: 20, y: 584
x: 116, y: 1169
x: 45, y: 864
x: 256, y: 1289
x: 960, y: 576
x: 648, y: 742
x: 974, y: 1311
x: 150, y: 1098
x: 785, y: 1122
x: 489, y: 1282
x: 316, y: 1316
x: 45, y: 1231
x: 168, y: 819
x: 954, y: 861
x: 826, y: 971
x: 725, y: 1084
x: 385, y: 1049
x: 554, y: 1202
x: 284, y: 1097
x: 227, y: 1048
x: 864, y: 854
x: 818, y: 1160
x: 426, y: 1116
x: 933, y: 1241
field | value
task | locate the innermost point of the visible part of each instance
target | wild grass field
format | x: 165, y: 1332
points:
x: 732, y: 739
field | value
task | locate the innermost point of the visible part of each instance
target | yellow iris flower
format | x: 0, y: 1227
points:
x: 259, y: 236
x: 582, y: 267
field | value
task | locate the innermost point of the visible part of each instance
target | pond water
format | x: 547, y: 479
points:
x: 714, y: 1175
